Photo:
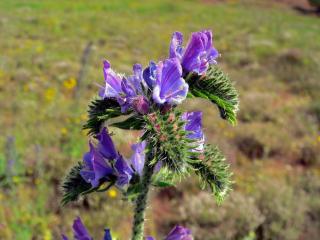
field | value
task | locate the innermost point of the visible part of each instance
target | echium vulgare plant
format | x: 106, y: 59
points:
x: 172, y: 143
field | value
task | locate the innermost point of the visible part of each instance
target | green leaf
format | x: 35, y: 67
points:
x: 160, y: 183
x: 74, y: 185
x: 214, y: 172
x: 218, y: 88
x: 163, y: 178
x: 100, y: 110
x: 134, y: 122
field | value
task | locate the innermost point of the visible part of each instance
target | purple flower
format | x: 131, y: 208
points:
x: 198, y: 54
x: 107, y: 234
x: 124, y: 172
x: 64, y: 237
x: 81, y: 233
x: 127, y: 91
x: 112, y: 80
x: 169, y: 87
x: 194, y: 126
x: 149, y: 74
x: 138, y: 157
x: 140, y: 104
x: 79, y: 230
x: 134, y: 92
x: 132, y: 89
x: 106, y: 146
x: 103, y: 161
x: 95, y: 167
x: 136, y: 79
x: 179, y: 233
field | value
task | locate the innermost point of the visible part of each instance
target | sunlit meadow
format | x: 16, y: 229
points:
x: 270, y: 50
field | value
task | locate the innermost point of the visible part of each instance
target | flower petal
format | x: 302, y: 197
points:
x: 170, y: 87
x: 191, y: 57
x: 87, y: 157
x: 95, y: 167
x: 138, y: 157
x: 107, y: 234
x: 179, y: 233
x: 194, y: 126
x: 64, y: 237
x: 199, y: 52
x: 149, y: 74
x: 112, y: 82
x: 176, y: 49
x: 101, y: 169
x: 106, y: 146
x: 79, y: 230
x: 123, y: 171
x: 87, y: 175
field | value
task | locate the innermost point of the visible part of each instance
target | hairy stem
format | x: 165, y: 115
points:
x: 141, y: 202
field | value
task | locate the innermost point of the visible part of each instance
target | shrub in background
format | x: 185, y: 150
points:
x: 237, y: 218
x: 315, y: 3
x: 283, y: 207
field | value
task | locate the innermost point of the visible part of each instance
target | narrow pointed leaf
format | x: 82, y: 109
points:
x: 216, y: 87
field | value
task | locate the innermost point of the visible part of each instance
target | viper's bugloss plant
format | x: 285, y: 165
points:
x: 172, y: 142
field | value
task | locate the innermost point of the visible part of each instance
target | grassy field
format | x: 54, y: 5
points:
x: 269, y: 50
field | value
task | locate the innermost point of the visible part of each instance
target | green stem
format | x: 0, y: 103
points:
x: 141, y: 202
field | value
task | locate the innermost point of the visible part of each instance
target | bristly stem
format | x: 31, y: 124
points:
x: 141, y: 202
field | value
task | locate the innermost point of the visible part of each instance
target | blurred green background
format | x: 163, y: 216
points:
x: 271, y: 49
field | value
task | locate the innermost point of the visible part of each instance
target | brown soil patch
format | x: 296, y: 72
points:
x: 290, y: 3
x: 301, y: 6
x: 294, y: 3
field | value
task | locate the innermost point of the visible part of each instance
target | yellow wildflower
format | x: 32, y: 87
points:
x: 15, y: 179
x: 112, y: 193
x: 39, y: 48
x: 49, y: 94
x: 64, y: 131
x: 70, y: 83
x: 47, y: 235
x: 1, y: 73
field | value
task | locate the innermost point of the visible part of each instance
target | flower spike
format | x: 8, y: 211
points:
x: 172, y: 143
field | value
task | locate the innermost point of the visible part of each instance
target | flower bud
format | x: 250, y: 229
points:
x: 141, y: 105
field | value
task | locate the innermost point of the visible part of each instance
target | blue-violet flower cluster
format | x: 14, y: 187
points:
x: 159, y: 86
x: 81, y: 233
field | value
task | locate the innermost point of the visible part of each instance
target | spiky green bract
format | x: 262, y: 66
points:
x: 74, y: 185
x: 100, y: 110
x: 165, y: 132
x: 218, y: 88
x: 163, y: 178
x: 214, y: 172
